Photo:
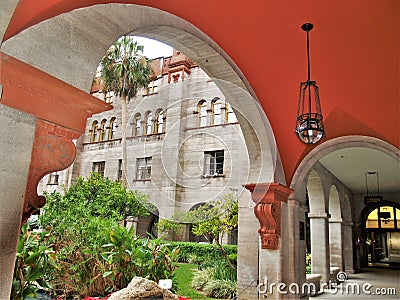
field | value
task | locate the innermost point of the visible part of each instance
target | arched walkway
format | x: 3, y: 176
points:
x: 332, y: 205
x: 66, y: 48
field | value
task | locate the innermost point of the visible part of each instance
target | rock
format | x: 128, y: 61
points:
x: 142, y: 288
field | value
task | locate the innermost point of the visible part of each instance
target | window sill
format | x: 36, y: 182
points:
x: 213, y: 176
x: 141, y: 180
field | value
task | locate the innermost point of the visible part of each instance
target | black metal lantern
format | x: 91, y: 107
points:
x: 309, y: 123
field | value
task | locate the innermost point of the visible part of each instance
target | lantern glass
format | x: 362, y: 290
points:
x: 310, y: 130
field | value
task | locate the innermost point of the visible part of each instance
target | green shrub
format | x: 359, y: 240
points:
x: 308, y: 263
x: 79, y: 225
x: 221, y: 289
x: 216, y: 279
x: 201, y: 278
x: 127, y: 257
x: 203, y: 251
x: 33, y: 263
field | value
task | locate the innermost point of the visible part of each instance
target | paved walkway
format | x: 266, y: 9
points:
x: 372, y: 283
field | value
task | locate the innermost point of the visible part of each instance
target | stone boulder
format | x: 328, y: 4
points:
x: 142, y: 288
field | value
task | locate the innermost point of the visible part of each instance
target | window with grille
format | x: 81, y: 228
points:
x: 99, y: 167
x: 159, y: 122
x: 214, y: 163
x: 119, y: 175
x: 149, y: 123
x: 102, y: 129
x: 230, y: 115
x: 152, y: 88
x: 93, y: 131
x: 202, y: 113
x: 143, y: 168
x: 108, y: 97
x: 217, y: 112
x: 137, y: 123
x: 53, y: 178
x: 111, y: 129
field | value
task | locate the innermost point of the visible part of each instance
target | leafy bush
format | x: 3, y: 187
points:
x: 222, y: 271
x: 79, y: 225
x: 221, y: 289
x: 216, y: 279
x: 203, y: 252
x: 308, y: 263
x: 201, y: 278
x: 34, y: 260
x: 128, y: 257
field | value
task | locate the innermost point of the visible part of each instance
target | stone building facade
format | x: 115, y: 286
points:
x: 184, y: 144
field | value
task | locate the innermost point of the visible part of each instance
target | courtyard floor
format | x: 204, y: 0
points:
x: 372, y: 283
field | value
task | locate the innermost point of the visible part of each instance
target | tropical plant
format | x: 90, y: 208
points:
x: 79, y: 223
x: 33, y: 261
x: 128, y: 257
x: 124, y: 71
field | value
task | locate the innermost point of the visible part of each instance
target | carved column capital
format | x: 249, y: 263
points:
x: 269, y: 197
x: 53, y: 150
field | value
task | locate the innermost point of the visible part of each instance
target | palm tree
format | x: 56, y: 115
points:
x: 124, y: 71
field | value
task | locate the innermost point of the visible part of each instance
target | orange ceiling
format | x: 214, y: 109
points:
x: 354, y: 57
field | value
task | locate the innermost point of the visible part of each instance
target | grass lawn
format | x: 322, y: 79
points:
x: 184, y: 275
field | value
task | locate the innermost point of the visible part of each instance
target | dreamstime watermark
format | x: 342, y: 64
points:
x: 339, y: 287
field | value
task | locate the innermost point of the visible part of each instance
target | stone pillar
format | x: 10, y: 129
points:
x: 40, y: 116
x: 272, y: 213
x: 335, y: 243
x: 348, y: 251
x: 296, y: 262
x: 319, y: 231
x: 17, y: 132
x: 248, y: 239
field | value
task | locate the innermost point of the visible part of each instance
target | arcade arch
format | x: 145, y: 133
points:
x: 332, y: 205
x: 66, y: 48
x: 381, y: 233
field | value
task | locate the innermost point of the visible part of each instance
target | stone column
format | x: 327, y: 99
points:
x: 272, y: 213
x: 17, y: 131
x: 40, y: 116
x: 348, y: 251
x: 296, y: 262
x: 335, y: 243
x: 248, y: 239
x: 319, y: 231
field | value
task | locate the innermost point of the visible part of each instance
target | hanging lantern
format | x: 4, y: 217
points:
x: 309, y: 121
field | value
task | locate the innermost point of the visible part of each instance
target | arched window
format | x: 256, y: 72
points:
x: 384, y: 217
x: 202, y: 113
x: 159, y: 122
x: 111, y: 129
x: 137, y: 123
x: 216, y: 106
x: 149, y: 122
x: 230, y: 115
x: 102, y: 129
x: 93, y: 135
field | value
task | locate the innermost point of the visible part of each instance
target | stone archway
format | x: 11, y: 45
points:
x: 378, y: 237
x: 66, y: 48
x: 349, y: 220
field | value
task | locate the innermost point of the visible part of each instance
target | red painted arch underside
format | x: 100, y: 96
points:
x: 354, y: 55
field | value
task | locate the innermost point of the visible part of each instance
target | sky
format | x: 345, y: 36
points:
x: 153, y: 48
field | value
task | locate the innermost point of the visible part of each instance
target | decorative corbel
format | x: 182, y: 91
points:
x: 61, y: 111
x: 268, y: 198
x: 53, y: 150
